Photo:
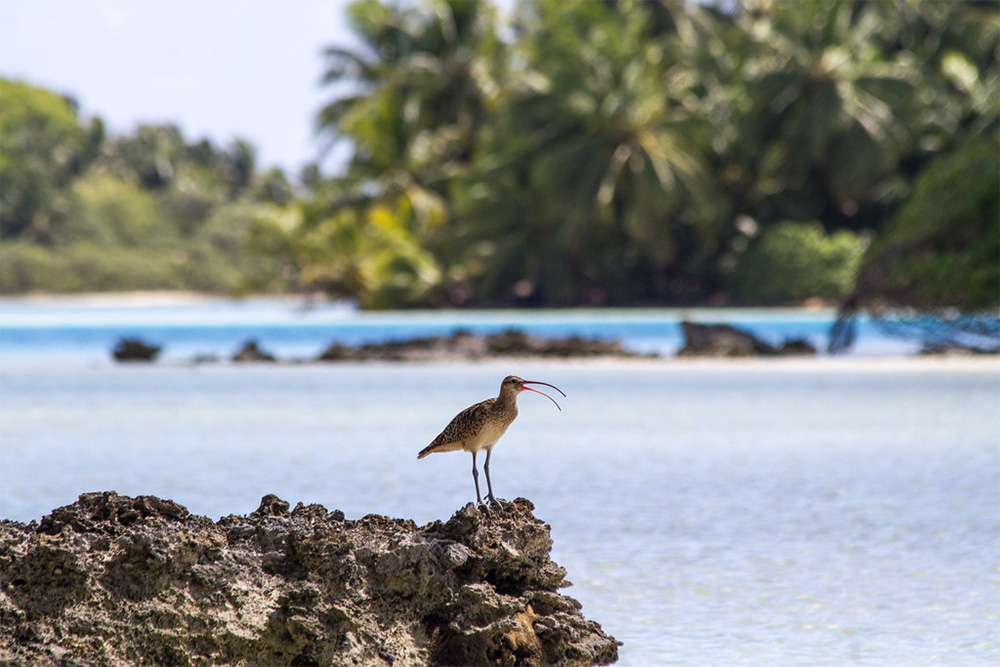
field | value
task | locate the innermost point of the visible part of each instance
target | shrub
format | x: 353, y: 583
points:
x: 113, y: 212
x: 942, y: 248
x: 27, y: 267
x: 23, y: 265
x: 792, y: 261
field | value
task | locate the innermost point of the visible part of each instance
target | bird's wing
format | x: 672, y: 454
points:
x: 465, y: 424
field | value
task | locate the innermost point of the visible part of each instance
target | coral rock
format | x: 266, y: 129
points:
x: 114, y: 580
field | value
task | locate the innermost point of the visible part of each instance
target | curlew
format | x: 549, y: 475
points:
x: 480, y: 426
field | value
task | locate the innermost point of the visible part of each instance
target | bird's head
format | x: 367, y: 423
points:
x: 513, y: 383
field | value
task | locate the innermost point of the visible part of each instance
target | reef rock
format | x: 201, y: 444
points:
x: 252, y: 352
x: 465, y: 345
x: 723, y: 340
x: 133, y: 349
x: 114, y: 580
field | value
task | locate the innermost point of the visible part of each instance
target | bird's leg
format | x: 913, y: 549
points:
x: 489, y: 485
x: 475, y: 478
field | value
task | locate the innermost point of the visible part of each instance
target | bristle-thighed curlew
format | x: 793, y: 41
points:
x: 480, y: 426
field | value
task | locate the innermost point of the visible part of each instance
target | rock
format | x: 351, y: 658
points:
x: 133, y: 349
x: 114, y: 580
x: 465, y: 345
x: 338, y: 352
x: 251, y: 352
x: 797, y: 347
x: 723, y: 340
x: 720, y: 340
x: 954, y: 350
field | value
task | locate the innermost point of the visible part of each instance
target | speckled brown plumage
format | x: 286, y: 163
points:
x: 480, y: 426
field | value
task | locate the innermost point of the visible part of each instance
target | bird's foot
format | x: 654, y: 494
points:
x: 489, y: 504
x: 491, y: 500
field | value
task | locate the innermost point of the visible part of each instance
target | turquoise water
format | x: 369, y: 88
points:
x: 89, y: 330
x: 789, y: 512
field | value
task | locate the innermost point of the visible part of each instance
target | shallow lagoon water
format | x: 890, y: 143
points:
x: 787, y: 512
x: 88, y: 328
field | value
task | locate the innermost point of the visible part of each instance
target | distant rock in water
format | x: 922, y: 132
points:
x: 797, y: 347
x: 949, y: 350
x: 465, y: 345
x: 251, y: 352
x: 133, y: 349
x: 114, y: 580
x: 723, y: 340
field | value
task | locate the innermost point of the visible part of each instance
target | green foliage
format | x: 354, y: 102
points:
x: 196, y: 192
x: 42, y: 148
x: 830, y: 112
x: 598, y: 175
x: 587, y: 153
x: 81, y: 211
x: 215, y: 260
x: 23, y: 266
x: 110, y: 212
x: 273, y: 187
x: 84, y: 267
x: 792, y: 261
x: 424, y: 76
x: 149, y: 157
x: 942, y: 249
x: 371, y: 257
x: 611, y: 144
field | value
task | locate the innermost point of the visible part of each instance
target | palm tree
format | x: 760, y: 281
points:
x: 593, y: 161
x: 828, y: 110
x: 412, y: 99
x: 412, y: 96
x: 953, y: 46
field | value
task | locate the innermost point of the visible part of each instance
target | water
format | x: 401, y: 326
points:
x: 89, y: 329
x: 788, y: 512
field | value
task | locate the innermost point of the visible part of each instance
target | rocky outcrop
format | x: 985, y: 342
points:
x: 133, y: 349
x: 723, y: 340
x: 460, y: 346
x: 465, y: 345
x: 252, y: 352
x: 114, y: 580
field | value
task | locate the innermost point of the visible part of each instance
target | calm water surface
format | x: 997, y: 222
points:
x: 820, y: 512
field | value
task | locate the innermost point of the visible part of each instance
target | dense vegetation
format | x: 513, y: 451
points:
x: 659, y: 152
x: 83, y: 211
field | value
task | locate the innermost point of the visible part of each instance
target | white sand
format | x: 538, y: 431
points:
x: 139, y: 298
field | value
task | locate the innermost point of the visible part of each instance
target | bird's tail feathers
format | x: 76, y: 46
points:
x: 439, y: 447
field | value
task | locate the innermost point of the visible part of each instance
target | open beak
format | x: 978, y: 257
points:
x: 527, y: 382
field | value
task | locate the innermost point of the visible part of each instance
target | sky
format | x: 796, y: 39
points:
x: 218, y: 69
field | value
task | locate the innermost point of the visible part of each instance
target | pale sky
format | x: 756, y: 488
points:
x: 219, y: 69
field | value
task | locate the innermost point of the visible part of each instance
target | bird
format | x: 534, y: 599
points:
x: 480, y: 426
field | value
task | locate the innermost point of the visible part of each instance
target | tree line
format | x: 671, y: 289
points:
x: 658, y: 152
x: 84, y: 211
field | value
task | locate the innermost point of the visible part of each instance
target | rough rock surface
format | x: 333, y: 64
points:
x: 723, y: 340
x: 465, y: 345
x: 114, y: 580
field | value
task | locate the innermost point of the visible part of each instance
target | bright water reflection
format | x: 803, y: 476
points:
x: 708, y: 513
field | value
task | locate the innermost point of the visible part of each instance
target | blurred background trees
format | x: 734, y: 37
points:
x: 662, y: 152
x: 81, y: 211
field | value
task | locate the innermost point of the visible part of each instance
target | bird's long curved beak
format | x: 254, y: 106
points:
x: 527, y: 382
